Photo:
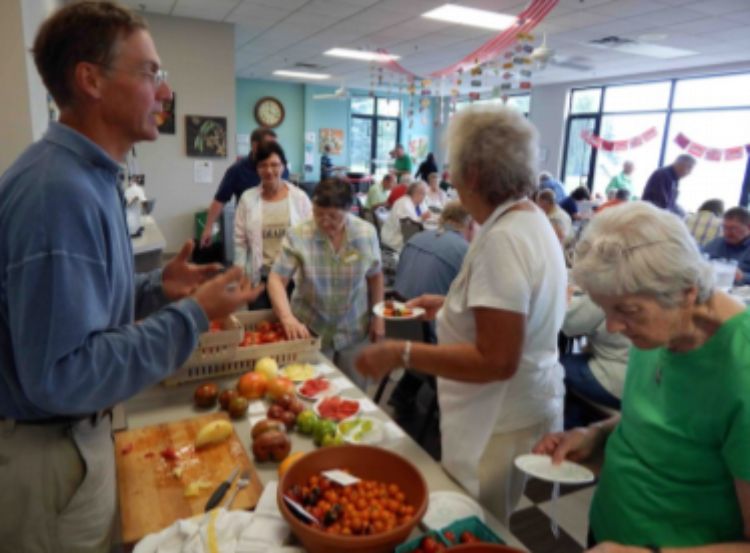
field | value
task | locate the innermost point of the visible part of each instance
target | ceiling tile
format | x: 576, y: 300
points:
x: 252, y: 14
x: 627, y: 8
x: 150, y: 6
x: 719, y: 7
x: 216, y: 10
x: 704, y: 25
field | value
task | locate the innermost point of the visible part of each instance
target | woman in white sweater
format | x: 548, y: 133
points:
x: 264, y: 213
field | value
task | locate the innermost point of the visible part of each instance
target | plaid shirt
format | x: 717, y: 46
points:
x: 331, y: 294
x: 704, y: 226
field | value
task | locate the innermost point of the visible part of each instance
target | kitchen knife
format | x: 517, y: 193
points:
x: 219, y: 492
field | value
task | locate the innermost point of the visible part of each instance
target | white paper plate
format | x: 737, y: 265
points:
x: 540, y: 466
x: 331, y: 391
x: 316, y: 407
x: 416, y: 312
x: 445, y: 507
x: 374, y: 436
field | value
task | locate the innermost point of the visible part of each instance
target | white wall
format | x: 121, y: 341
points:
x: 14, y: 97
x: 199, y: 57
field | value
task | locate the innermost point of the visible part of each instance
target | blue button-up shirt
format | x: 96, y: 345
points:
x: 68, y: 295
x: 662, y: 190
x: 719, y: 248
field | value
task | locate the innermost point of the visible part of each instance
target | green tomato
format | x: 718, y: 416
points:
x: 307, y: 421
x: 332, y: 439
x: 323, y: 429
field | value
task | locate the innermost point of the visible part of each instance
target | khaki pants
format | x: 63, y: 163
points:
x: 58, y: 487
x: 501, y: 484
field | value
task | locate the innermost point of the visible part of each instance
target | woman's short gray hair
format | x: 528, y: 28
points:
x: 500, y: 145
x: 637, y: 248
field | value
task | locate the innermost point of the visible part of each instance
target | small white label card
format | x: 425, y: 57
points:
x: 340, y: 477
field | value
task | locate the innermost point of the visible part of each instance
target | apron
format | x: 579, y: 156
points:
x: 466, y: 426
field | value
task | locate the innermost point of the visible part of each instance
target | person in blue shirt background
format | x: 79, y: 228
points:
x: 238, y: 178
x: 734, y: 243
x: 70, y: 347
x: 547, y: 181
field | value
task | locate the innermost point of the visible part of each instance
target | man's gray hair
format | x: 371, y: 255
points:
x: 498, y: 146
x: 637, y: 248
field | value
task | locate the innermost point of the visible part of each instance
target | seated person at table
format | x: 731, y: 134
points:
x: 705, y: 225
x: 378, y: 194
x: 435, y: 198
x: 548, y: 182
x: 559, y: 218
x: 410, y: 206
x: 335, y: 261
x: 570, y: 204
x: 598, y: 374
x: 734, y: 243
x: 264, y: 213
x: 398, y: 191
x: 428, y: 264
x: 676, y: 472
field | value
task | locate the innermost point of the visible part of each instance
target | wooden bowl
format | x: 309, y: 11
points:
x: 366, y: 462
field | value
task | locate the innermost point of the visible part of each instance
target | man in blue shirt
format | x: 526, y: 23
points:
x: 662, y: 187
x: 428, y: 264
x: 734, y: 242
x: 547, y: 181
x: 69, y: 344
x: 238, y: 178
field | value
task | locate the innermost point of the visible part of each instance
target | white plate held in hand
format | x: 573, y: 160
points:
x: 540, y: 466
x: 416, y: 312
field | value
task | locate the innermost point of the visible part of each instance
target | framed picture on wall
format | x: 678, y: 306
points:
x: 333, y: 138
x: 205, y: 136
x: 165, y: 118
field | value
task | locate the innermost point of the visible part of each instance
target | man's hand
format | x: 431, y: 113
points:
x: 293, y: 329
x: 180, y: 278
x: 225, y: 293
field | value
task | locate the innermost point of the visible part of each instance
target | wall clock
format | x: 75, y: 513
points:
x: 269, y: 112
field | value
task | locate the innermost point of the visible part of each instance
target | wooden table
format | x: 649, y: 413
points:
x: 161, y: 404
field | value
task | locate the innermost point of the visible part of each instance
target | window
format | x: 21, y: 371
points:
x: 375, y: 131
x: 713, y: 111
x: 586, y: 100
x: 637, y: 97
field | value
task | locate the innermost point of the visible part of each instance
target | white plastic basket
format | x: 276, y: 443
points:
x: 219, y: 353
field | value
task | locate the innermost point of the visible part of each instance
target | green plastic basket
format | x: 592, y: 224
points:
x: 471, y: 524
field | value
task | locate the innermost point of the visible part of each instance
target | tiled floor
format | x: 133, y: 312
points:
x: 532, y: 523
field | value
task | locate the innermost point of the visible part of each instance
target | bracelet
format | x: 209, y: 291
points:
x: 406, y: 354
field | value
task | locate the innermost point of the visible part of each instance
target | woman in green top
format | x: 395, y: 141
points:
x: 676, y: 472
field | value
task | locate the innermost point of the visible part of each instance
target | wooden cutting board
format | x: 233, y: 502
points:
x: 151, y: 486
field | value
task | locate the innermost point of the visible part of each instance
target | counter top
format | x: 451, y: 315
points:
x: 151, y: 239
x: 161, y: 404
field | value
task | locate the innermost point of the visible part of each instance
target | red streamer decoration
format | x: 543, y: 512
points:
x: 529, y: 18
x: 708, y: 153
x: 618, y: 145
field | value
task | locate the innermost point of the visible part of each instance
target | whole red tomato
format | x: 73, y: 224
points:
x: 264, y: 326
x: 269, y: 337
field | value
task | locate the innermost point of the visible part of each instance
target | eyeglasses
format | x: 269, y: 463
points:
x: 157, y: 76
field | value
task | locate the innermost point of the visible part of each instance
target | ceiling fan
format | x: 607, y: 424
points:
x: 544, y: 55
x: 340, y: 93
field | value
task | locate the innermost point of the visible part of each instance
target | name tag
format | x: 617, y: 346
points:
x: 351, y: 257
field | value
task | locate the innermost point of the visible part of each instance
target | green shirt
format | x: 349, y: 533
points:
x: 684, y: 437
x: 403, y: 164
x: 621, y: 181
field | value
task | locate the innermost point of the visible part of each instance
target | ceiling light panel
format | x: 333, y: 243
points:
x: 453, y: 13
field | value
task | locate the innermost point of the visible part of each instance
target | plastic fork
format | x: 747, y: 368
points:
x: 242, y: 482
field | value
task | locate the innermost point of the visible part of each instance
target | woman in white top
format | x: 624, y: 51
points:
x: 411, y: 206
x: 263, y: 215
x: 436, y: 197
x: 500, y: 385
